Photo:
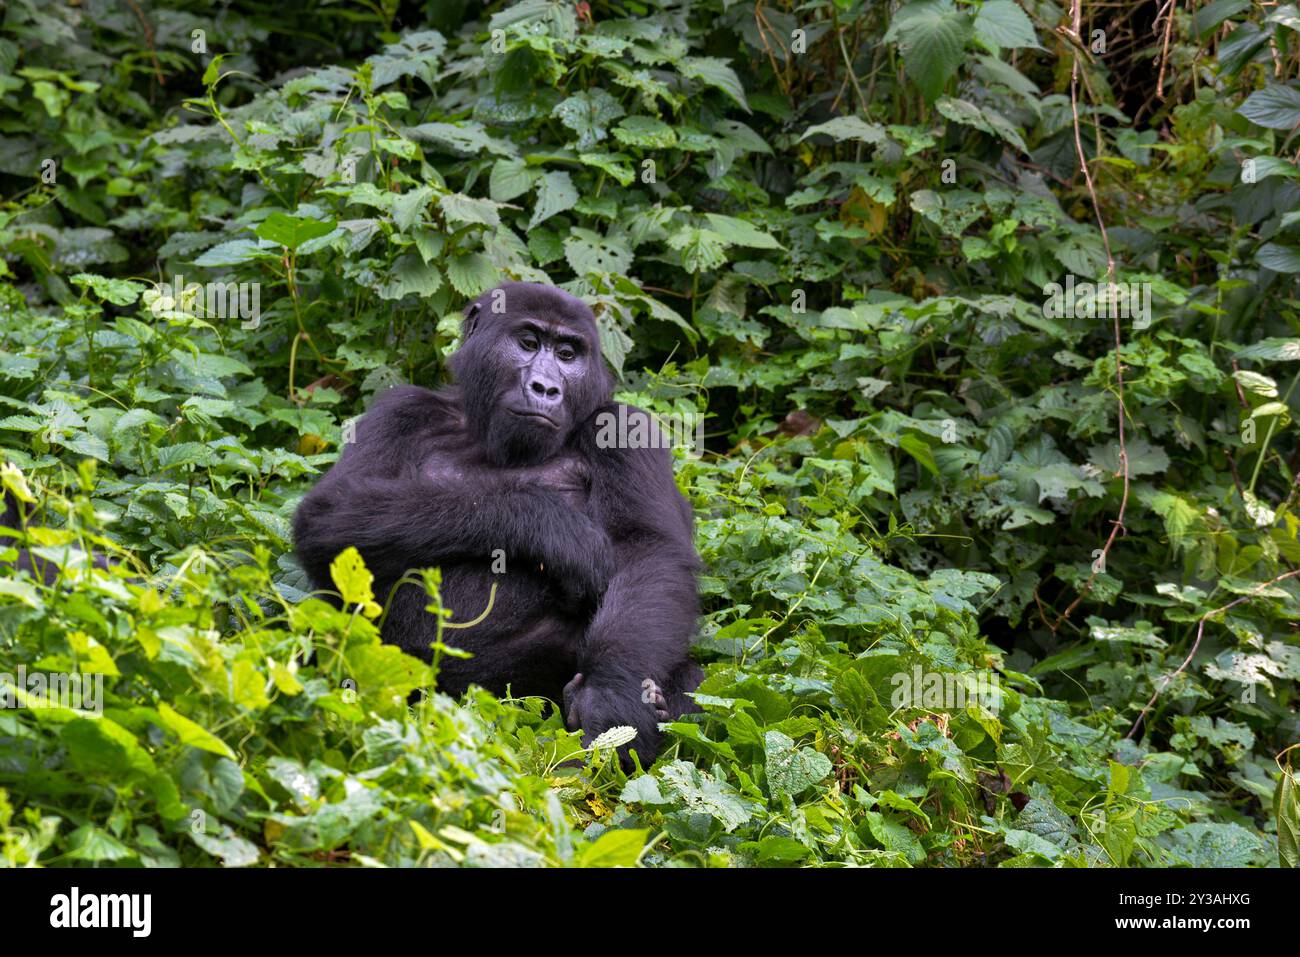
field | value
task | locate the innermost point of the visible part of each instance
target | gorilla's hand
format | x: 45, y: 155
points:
x: 581, y: 562
x: 595, y: 707
x: 653, y: 695
x: 567, y: 475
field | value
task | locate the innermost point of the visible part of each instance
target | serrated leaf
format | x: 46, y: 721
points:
x: 459, y: 208
x: 353, y: 581
x: 411, y: 275
x: 588, y: 251
x: 472, y: 274
x: 589, y: 114
x: 555, y: 194
x: 510, y: 179
x: 646, y: 132
x: 849, y: 128
x: 1002, y: 24
x: 408, y: 207
x: 932, y: 36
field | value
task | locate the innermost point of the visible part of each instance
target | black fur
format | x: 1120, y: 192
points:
x: 599, y: 589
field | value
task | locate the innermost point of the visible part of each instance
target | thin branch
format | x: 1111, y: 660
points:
x: 1200, y: 632
x: 1167, y: 11
x: 1117, y: 524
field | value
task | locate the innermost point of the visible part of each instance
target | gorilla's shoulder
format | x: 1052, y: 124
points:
x: 415, y: 401
x: 410, y: 406
x: 628, y: 434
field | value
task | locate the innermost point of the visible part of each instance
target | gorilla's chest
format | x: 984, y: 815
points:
x: 567, y: 474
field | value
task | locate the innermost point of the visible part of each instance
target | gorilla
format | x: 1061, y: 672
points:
x: 505, y: 479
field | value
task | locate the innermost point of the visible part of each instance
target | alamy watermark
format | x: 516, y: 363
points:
x: 643, y: 430
x: 55, y: 689
x: 209, y: 300
x: 1101, y: 300
x: 945, y: 690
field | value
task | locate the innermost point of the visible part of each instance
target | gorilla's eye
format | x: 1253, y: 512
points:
x: 566, y: 354
x: 529, y: 342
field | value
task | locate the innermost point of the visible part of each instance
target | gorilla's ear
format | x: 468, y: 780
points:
x: 471, y: 320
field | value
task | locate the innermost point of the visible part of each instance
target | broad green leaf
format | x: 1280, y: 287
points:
x: 932, y: 35
x: 291, y: 231
x: 411, y: 275
x: 1279, y: 258
x: 510, y: 179
x: 849, y: 128
x: 738, y: 232
x: 555, y: 194
x: 617, y: 847
x: 472, y: 274
x: 715, y: 72
x: 792, y: 770
x: 1003, y: 24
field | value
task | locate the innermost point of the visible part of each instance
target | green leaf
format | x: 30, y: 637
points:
x: 705, y: 794
x: 292, y: 231
x: 738, y: 232
x: 646, y: 132
x: 1208, y: 17
x: 192, y: 734
x: 408, y: 207
x: 1271, y: 349
x: 458, y: 208
x: 411, y: 275
x: 472, y: 274
x: 1279, y: 258
x: 510, y: 179
x: 589, y: 114
x: 702, y: 250
x: 555, y: 194
x: 120, y: 292
x: 233, y: 850
x: 790, y: 770
x: 1275, y: 107
x: 618, y: 847
x: 353, y: 581
x: 1286, y: 814
x: 932, y: 36
x: 716, y: 73
x: 90, y: 843
x: 385, y: 675
x: 988, y: 120
x: 849, y: 128
x: 1002, y: 24
x: 233, y: 253
x: 1143, y: 458
x: 588, y: 252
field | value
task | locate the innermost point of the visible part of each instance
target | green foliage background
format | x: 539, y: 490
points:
x: 840, y: 257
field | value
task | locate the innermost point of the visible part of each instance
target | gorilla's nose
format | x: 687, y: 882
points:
x: 544, y: 393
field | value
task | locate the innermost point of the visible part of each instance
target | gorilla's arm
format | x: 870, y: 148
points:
x: 644, y: 624
x: 376, y: 499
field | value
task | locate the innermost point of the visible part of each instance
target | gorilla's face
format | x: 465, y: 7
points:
x: 530, y: 372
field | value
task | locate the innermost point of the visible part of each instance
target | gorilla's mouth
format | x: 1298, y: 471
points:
x: 533, y: 414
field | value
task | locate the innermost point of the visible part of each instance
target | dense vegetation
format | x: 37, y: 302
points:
x: 830, y: 225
